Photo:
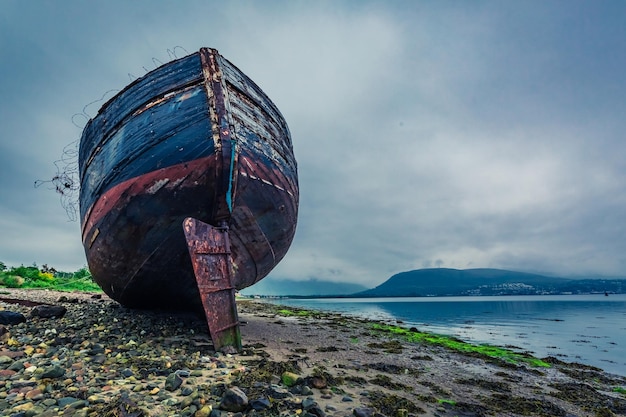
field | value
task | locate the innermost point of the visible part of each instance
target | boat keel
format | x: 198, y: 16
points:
x: 209, y: 249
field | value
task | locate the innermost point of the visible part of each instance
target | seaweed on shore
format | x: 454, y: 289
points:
x: 355, y: 380
x: 393, y: 369
x: 468, y: 409
x: 499, y: 403
x: 588, y: 398
x: 390, y: 346
x: 263, y: 370
x: 389, y: 404
x: 583, y: 372
x: 509, y: 376
x: 422, y: 358
x: 494, y: 386
x: 326, y: 349
x: 436, y: 388
x: 386, y: 382
x: 323, y: 378
x: 501, y: 356
x: 295, y: 313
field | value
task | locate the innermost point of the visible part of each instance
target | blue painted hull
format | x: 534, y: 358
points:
x: 193, y: 138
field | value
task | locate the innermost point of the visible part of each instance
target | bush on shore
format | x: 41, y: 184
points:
x: 46, y: 277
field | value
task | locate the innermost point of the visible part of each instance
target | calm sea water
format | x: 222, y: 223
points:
x: 589, y: 329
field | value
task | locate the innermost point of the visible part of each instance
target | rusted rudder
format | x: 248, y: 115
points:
x: 209, y: 248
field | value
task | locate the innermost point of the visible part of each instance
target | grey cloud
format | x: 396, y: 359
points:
x: 484, y: 135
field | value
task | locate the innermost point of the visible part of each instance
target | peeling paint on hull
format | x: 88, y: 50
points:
x: 193, y: 138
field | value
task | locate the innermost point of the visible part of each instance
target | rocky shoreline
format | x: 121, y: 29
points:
x: 97, y: 358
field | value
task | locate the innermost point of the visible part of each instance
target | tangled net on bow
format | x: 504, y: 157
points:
x: 66, y: 180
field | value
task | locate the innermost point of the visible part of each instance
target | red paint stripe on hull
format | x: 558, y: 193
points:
x: 182, y: 175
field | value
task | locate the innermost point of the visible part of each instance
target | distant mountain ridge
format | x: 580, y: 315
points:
x: 438, y: 282
x: 311, y: 287
x: 485, y: 281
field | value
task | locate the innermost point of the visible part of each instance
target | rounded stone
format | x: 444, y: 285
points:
x: 234, y: 400
x: 54, y: 371
x: 204, y: 411
x: 289, y: 378
x: 65, y: 401
x: 173, y: 381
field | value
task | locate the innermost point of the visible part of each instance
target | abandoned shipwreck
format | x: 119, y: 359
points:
x: 188, y: 190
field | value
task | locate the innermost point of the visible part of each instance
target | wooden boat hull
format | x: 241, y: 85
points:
x: 193, y: 138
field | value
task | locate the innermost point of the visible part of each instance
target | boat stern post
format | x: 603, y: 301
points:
x: 209, y: 249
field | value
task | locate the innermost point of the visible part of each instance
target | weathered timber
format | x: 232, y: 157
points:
x: 195, y: 138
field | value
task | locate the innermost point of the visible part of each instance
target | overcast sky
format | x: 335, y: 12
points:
x: 428, y: 133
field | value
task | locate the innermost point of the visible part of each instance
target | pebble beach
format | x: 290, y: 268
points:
x: 97, y: 358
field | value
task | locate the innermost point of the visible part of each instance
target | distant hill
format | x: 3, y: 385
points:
x: 312, y: 288
x: 441, y: 282
x: 449, y: 282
